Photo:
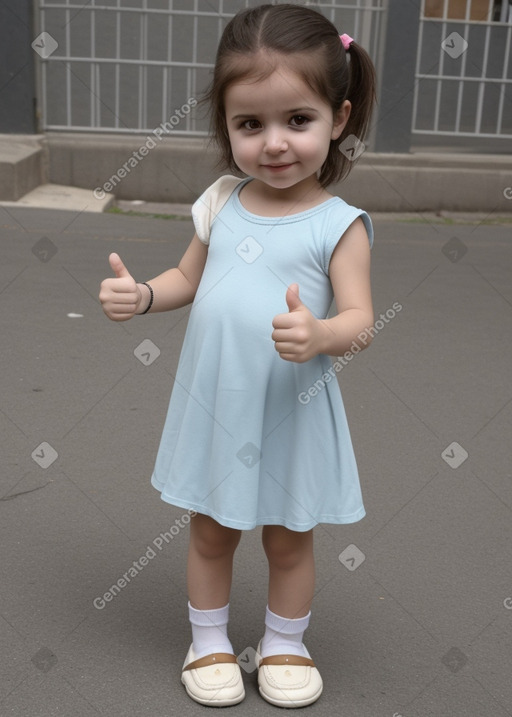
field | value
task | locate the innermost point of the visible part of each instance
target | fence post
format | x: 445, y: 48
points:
x: 17, y: 76
x: 396, y: 92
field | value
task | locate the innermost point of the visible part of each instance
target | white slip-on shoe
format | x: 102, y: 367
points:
x: 214, y: 680
x: 288, y: 680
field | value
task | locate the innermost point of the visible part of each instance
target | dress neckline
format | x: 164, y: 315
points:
x: 287, y: 218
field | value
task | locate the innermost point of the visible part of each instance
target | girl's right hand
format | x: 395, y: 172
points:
x: 120, y: 296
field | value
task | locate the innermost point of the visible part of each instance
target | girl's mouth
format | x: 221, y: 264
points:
x: 277, y: 167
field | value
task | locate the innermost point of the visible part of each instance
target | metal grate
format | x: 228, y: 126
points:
x: 464, y: 69
x: 132, y: 65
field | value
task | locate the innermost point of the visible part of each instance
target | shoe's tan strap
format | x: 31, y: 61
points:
x: 287, y: 660
x: 215, y: 658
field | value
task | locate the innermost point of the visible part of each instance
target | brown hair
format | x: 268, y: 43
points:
x: 310, y: 44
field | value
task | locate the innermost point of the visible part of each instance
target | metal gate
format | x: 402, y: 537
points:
x: 132, y: 65
x: 463, y: 82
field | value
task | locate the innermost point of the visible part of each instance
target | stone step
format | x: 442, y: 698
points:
x: 22, y: 165
x: 57, y: 196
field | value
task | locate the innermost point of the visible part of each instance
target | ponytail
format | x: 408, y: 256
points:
x: 362, y: 95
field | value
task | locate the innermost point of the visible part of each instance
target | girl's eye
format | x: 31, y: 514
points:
x: 251, y: 124
x: 299, y: 121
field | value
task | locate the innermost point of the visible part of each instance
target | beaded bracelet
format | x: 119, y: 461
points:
x: 151, y: 297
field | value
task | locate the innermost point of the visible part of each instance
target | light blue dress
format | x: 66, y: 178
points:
x: 246, y: 440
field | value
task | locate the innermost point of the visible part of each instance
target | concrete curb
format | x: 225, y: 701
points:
x: 177, y: 169
x: 57, y: 196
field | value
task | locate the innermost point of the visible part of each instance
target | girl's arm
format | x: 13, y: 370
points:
x: 177, y: 287
x: 349, y: 272
x: 299, y: 336
x: 122, y: 297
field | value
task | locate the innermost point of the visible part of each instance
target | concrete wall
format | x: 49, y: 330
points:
x: 179, y: 169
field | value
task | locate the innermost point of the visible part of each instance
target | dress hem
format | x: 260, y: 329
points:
x: 269, y: 520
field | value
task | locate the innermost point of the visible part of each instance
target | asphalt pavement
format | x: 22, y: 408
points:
x: 413, y: 611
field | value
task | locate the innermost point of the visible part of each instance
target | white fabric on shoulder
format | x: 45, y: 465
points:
x: 209, y: 204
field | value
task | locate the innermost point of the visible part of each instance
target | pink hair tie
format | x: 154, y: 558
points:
x: 346, y: 41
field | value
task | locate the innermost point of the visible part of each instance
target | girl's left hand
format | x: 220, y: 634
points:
x: 297, y: 335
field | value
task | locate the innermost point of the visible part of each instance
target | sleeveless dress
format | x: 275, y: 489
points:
x: 251, y: 439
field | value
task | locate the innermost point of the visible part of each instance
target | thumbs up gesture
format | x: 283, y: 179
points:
x: 120, y: 296
x: 297, y: 335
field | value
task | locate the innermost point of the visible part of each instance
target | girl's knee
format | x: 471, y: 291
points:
x: 211, y: 539
x: 284, y: 548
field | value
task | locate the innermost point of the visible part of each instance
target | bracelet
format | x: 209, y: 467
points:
x: 151, y: 297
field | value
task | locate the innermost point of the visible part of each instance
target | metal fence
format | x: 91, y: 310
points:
x: 131, y: 65
x: 463, y: 82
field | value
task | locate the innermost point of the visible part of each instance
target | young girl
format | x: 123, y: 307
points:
x: 239, y: 446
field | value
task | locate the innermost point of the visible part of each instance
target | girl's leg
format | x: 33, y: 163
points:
x: 291, y: 587
x: 287, y: 676
x: 210, y: 568
x: 210, y: 562
x: 291, y: 570
x: 210, y: 673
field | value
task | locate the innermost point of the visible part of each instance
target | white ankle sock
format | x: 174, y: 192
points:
x: 283, y: 636
x: 210, y: 630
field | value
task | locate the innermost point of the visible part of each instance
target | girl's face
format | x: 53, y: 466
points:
x: 280, y: 129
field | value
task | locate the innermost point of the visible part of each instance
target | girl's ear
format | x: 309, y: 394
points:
x: 341, y: 119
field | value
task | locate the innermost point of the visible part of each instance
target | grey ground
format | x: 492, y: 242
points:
x: 419, y: 625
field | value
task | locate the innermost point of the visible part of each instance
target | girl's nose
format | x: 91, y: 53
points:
x: 275, y: 141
